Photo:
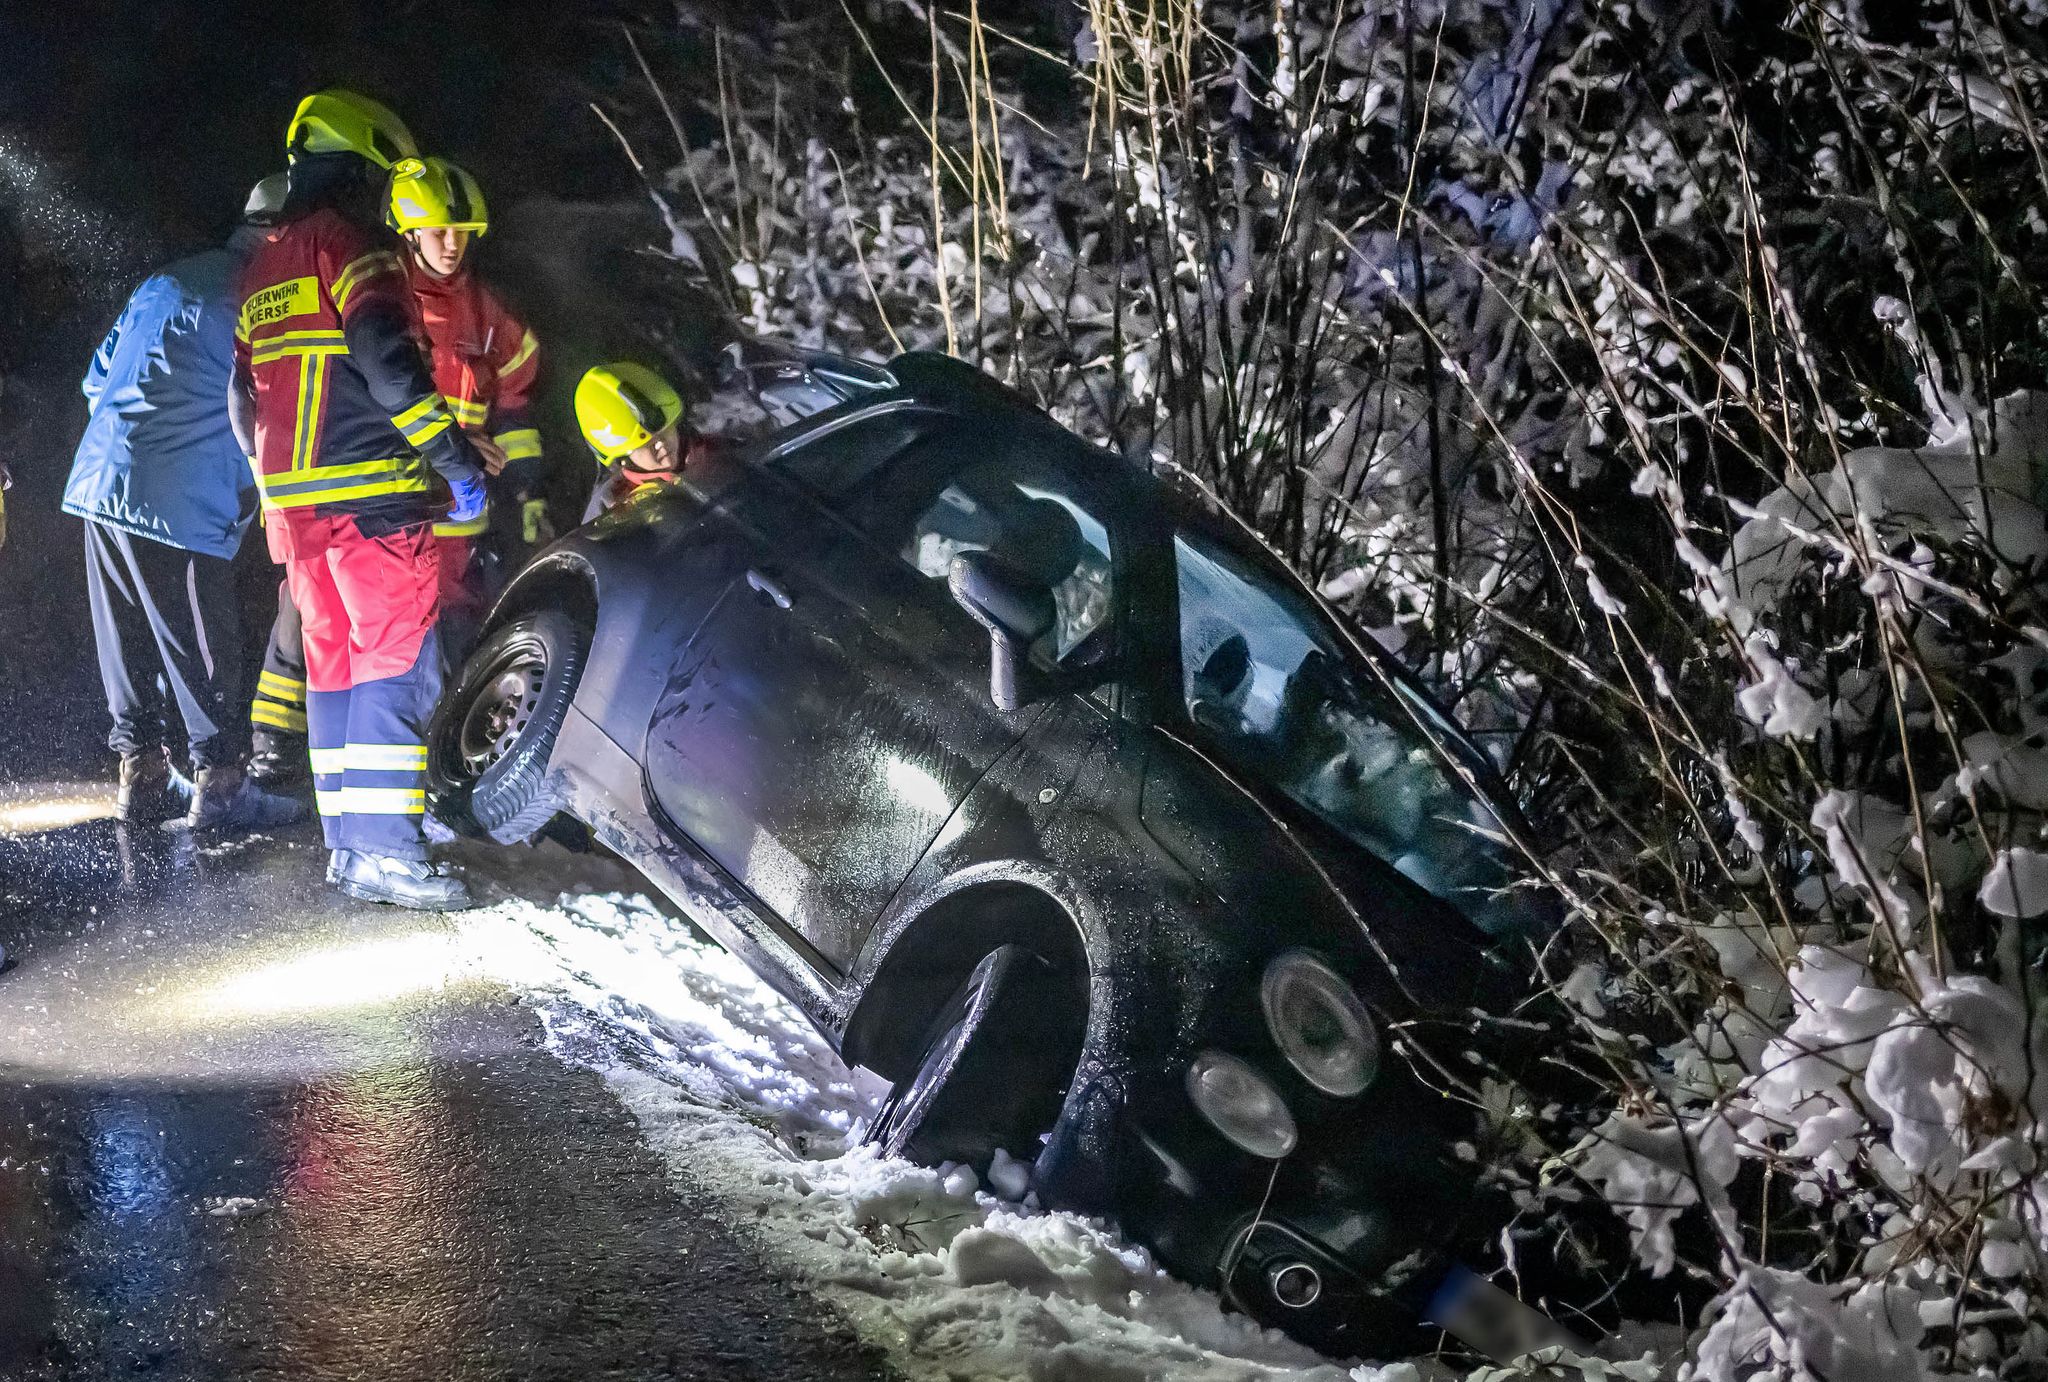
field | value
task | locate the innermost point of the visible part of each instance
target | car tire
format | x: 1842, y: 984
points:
x: 992, y: 1071
x: 491, y: 736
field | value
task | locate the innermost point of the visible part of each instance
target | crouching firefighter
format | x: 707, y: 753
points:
x: 636, y: 427
x: 336, y: 405
x: 485, y: 363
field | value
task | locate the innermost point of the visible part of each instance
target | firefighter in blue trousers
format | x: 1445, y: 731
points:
x: 355, y: 449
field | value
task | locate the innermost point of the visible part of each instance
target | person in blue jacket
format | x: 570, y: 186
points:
x: 167, y: 494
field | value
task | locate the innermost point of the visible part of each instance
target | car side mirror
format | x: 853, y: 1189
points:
x: 1015, y: 612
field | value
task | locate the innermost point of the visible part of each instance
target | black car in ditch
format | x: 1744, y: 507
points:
x: 1054, y: 799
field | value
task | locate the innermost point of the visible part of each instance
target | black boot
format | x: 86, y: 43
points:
x: 277, y: 760
x: 401, y: 882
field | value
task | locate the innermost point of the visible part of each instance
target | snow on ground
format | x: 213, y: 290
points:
x: 741, y: 1097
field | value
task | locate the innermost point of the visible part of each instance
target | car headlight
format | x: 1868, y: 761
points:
x: 1320, y: 1025
x: 1241, y: 1104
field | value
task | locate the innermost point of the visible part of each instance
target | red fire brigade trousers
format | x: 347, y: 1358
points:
x: 373, y: 673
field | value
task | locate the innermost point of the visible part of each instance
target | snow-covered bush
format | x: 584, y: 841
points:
x: 1669, y: 383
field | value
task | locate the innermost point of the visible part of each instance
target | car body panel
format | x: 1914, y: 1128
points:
x: 825, y: 720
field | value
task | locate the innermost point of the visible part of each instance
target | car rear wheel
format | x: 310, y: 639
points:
x: 994, y: 1067
x: 491, y: 736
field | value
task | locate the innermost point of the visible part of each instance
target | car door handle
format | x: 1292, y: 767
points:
x: 766, y: 584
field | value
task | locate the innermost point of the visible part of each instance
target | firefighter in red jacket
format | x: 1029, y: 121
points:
x: 348, y: 432
x: 485, y: 363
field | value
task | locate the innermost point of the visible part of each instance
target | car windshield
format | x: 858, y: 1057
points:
x: 1275, y: 691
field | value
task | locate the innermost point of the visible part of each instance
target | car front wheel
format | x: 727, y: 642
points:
x: 994, y: 1068
x: 491, y: 736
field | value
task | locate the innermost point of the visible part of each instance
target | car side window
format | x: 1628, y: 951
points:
x: 1038, y: 522
x: 1274, y: 691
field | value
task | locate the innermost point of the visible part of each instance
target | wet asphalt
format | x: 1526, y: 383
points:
x: 239, y: 1139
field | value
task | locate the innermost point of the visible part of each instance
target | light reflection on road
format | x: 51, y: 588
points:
x: 135, y: 1235
x: 53, y: 808
x: 380, y: 1183
x: 350, y: 975
x: 309, y: 1035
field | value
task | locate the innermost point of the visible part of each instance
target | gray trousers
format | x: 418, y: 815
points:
x: 166, y: 621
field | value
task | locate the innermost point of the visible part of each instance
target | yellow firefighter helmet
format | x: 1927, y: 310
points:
x: 341, y: 122
x: 622, y: 405
x: 434, y: 192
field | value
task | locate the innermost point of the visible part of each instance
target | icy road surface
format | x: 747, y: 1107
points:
x: 742, y: 1098
x: 251, y: 1130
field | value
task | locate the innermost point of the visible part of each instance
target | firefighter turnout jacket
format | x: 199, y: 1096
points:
x: 347, y: 419
x: 485, y: 362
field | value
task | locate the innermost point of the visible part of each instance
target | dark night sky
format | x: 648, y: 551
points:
x: 167, y: 110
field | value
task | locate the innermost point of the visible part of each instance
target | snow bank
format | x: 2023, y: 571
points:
x: 1781, y: 1325
x: 742, y: 1098
x: 1652, y: 1172
x: 1977, y: 486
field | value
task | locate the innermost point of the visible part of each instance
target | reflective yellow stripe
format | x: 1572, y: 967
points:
x: 369, y: 490
x: 520, y: 444
x: 383, y: 801
x: 281, y: 688
x: 312, y: 399
x: 416, y: 411
x: 278, y: 716
x: 291, y: 343
x: 359, y: 272
x: 319, y: 365
x: 328, y: 802
x: 290, y: 352
x: 469, y: 527
x: 468, y: 411
x: 326, y: 761
x: 329, y: 484
x: 427, y: 431
x: 387, y: 758
x: 300, y: 431
x: 527, y: 345
x: 325, y: 333
x: 424, y: 420
x: 382, y: 466
x: 316, y: 366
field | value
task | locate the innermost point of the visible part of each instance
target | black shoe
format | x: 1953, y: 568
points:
x: 277, y: 760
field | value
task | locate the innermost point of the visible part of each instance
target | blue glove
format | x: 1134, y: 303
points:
x: 470, y: 497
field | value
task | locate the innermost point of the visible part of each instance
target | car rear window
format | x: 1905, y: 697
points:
x: 837, y: 457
